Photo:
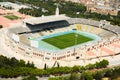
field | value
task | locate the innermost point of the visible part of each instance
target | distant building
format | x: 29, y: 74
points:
x: 14, y: 6
x: 101, y: 6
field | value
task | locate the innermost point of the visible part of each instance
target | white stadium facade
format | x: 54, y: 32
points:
x: 20, y: 40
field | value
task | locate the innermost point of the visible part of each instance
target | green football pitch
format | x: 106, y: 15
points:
x: 12, y: 17
x: 67, y: 40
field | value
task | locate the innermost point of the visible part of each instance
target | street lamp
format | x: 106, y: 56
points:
x: 76, y: 35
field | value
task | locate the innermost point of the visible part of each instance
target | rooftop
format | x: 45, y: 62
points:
x: 104, y: 7
x: 13, y: 5
x: 46, y: 19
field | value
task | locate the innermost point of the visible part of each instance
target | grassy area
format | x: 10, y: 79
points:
x: 12, y: 17
x: 67, y: 40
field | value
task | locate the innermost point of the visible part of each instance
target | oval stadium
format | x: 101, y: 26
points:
x: 64, y: 40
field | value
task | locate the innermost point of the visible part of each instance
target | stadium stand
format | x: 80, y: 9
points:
x: 38, y: 30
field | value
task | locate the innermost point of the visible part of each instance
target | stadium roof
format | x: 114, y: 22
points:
x: 46, y: 19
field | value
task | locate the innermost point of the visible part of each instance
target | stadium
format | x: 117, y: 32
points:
x: 61, y: 38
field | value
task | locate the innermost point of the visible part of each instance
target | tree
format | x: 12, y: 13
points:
x: 58, y: 65
x: 28, y: 64
x: 86, y: 76
x: 31, y: 77
x: 32, y: 65
x: 14, y: 62
x: 90, y: 66
x: 45, y: 66
x: 118, y: 14
x: 102, y: 64
x: 108, y: 73
x: 76, y: 68
x: 98, y: 75
x: 22, y: 63
x: 74, y: 76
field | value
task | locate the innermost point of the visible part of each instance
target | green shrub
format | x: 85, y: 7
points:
x: 86, y: 76
x: 31, y: 77
x: 102, y: 64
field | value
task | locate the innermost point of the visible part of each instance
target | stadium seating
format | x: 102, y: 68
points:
x: 57, y: 24
x: 33, y: 31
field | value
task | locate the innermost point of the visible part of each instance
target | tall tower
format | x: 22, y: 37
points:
x: 57, y: 11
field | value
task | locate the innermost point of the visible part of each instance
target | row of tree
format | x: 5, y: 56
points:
x: 7, y: 63
x: 11, y: 67
x: 65, y: 7
x: 110, y: 73
x: 68, y: 8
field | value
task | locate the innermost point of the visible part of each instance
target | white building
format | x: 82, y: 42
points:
x: 15, y: 6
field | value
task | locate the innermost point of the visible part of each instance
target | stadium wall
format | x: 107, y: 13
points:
x: 26, y: 50
x: 83, y: 21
